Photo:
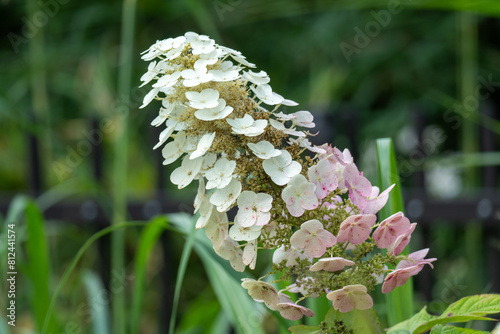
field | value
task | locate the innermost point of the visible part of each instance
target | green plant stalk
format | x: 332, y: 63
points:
x: 468, y: 50
x: 468, y: 60
x: 399, y: 302
x: 120, y: 160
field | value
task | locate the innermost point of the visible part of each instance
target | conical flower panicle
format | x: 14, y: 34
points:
x: 225, y: 123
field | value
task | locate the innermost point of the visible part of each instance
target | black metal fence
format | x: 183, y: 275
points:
x: 483, y: 208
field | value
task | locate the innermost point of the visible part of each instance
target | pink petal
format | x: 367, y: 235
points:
x: 400, y: 243
x: 356, y: 229
x: 328, y: 238
x: 300, y: 238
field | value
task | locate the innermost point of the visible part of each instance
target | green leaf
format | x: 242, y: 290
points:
x: 38, y: 270
x: 400, y: 300
x: 365, y: 321
x: 411, y: 324
x: 243, y: 312
x: 99, y: 310
x: 466, y: 309
x: 446, y: 329
x: 73, y: 263
x: 149, y: 237
x: 202, y: 315
x: 475, y: 305
x: 303, y: 329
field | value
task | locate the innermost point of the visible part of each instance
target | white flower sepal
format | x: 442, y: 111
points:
x: 240, y: 233
x: 250, y: 254
x: 264, y: 150
x: 207, y: 98
x: 281, y: 168
x: 149, y: 97
x: 304, y: 118
x: 166, y: 133
x: 227, y: 72
x: 217, y: 228
x: 260, y: 78
x: 247, y: 125
x: 230, y: 250
x: 225, y: 197
x: 221, y: 174
x: 168, y: 80
x: 184, y: 175
x: 163, y: 114
x: 203, y: 145
x: 173, y: 150
x: 266, y: 94
x: 193, y: 78
x: 218, y: 112
x: 253, y: 209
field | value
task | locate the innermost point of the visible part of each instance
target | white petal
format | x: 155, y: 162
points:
x: 203, y: 146
x: 225, y: 197
x: 264, y: 149
x: 149, y: 97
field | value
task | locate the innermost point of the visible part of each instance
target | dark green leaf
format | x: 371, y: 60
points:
x: 38, y: 269
x: 365, y: 321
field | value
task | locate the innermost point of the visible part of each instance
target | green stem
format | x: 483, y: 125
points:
x: 120, y: 159
x: 470, y: 102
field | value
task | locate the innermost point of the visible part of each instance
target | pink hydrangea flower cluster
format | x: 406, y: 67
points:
x: 317, y: 212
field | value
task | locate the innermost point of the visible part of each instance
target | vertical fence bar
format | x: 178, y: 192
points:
x: 120, y: 159
x: 487, y: 144
x: 34, y: 168
x: 103, y: 244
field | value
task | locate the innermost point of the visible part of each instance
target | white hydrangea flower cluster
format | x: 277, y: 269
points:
x: 317, y: 213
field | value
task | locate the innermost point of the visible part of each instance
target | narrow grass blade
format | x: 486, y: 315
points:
x: 400, y: 301
x: 100, y: 310
x: 73, y: 263
x: 38, y: 269
x: 186, y: 252
x: 149, y: 237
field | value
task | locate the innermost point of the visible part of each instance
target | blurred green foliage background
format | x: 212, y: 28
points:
x: 366, y: 69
